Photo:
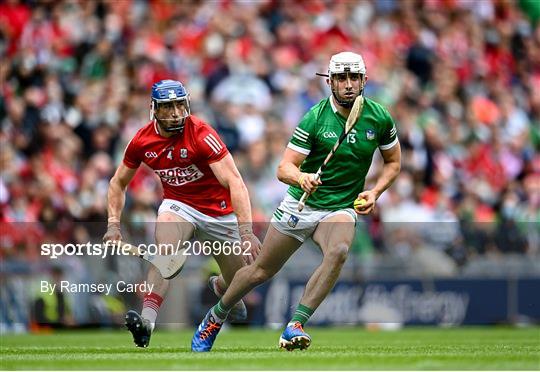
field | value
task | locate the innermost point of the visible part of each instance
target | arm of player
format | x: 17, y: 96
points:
x: 116, y: 197
x: 390, y: 171
x: 229, y: 177
x: 289, y: 171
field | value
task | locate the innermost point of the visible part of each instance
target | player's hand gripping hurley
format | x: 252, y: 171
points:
x: 349, y: 125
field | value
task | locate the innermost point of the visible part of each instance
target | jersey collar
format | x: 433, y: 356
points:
x: 334, y: 108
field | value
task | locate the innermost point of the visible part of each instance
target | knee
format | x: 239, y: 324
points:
x: 337, y: 255
x: 154, y: 277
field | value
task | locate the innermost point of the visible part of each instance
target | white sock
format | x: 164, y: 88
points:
x: 151, y: 315
x: 151, y: 304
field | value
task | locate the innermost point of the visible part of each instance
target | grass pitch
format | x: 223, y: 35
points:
x: 479, y: 348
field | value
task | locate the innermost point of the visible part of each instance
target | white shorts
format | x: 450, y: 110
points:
x: 222, y: 228
x: 301, y: 225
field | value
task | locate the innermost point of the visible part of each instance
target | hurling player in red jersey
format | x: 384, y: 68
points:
x: 204, y: 194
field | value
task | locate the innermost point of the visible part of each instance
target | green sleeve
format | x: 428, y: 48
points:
x: 303, y: 136
x: 389, y: 132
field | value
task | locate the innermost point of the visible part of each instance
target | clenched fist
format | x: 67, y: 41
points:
x: 113, y: 233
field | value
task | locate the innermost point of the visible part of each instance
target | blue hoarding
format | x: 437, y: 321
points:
x: 419, y: 302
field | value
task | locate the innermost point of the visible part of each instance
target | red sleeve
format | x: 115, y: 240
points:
x: 210, y: 144
x: 131, y: 155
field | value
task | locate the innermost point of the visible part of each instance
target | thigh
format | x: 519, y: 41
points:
x: 222, y: 232
x: 172, y: 229
x: 333, y: 230
x: 277, y: 248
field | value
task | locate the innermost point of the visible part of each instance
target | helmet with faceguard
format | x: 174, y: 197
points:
x: 170, y: 105
x: 343, y: 66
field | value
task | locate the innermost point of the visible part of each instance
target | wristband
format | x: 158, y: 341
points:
x: 301, y: 179
x: 113, y: 224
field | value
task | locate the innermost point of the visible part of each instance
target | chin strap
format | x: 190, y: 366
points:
x: 174, y: 130
x: 178, y: 129
x: 345, y: 104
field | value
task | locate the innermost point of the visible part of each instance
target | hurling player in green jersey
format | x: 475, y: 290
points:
x: 329, y: 215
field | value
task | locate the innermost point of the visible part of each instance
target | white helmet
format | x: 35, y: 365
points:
x: 346, y: 62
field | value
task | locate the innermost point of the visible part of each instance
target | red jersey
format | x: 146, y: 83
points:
x: 182, y: 162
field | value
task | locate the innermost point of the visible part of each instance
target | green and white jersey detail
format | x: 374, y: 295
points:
x: 346, y: 172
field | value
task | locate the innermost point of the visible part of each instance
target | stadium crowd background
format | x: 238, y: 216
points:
x: 461, y: 79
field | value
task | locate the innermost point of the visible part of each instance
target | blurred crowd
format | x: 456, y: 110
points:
x: 461, y: 79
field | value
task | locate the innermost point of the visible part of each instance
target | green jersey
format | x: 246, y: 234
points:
x: 345, y: 174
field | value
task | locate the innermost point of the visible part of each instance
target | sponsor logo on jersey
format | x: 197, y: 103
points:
x: 183, y: 153
x: 223, y: 204
x: 179, y: 176
x: 329, y: 135
x: 150, y: 154
x: 370, y: 134
x: 293, y: 221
